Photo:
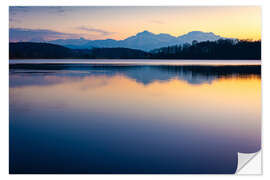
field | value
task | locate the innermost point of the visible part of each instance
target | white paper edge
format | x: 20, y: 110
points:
x: 249, y: 163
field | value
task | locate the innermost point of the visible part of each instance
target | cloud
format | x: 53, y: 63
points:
x: 19, y: 12
x: 95, y: 30
x: 18, y: 9
x: 16, y: 13
x: 58, y: 10
x: 11, y: 19
x: 46, y: 9
x: 37, y: 35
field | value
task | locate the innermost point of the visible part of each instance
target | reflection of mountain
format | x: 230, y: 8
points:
x: 143, y: 74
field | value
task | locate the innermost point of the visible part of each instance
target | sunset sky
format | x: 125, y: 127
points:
x: 48, y: 23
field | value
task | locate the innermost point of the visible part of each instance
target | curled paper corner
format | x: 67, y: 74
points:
x: 249, y: 163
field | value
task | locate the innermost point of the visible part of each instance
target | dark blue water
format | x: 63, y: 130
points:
x: 133, y: 119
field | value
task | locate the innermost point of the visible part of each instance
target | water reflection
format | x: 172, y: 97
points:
x: 142, y: 74
x: 133, y: 119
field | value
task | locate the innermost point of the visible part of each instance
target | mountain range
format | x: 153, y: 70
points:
x: 145, y: 41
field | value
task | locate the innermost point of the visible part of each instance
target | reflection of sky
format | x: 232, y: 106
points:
x: 120, y: 123
x: 146, y: 76
x: 49, y: 23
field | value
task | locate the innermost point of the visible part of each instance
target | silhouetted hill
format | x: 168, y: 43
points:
x: 220, y: 49
x: 30, y: 50
x: 118, y: 53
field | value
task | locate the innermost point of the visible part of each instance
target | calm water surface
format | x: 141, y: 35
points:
x: 133, y: 118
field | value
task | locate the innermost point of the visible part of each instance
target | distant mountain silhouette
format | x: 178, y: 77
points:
x: 144, y: 41
x: 198, y: 36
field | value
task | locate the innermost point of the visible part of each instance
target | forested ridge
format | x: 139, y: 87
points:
x: 220, y: 49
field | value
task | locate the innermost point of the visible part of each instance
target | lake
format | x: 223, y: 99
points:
x: 132, y: 116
